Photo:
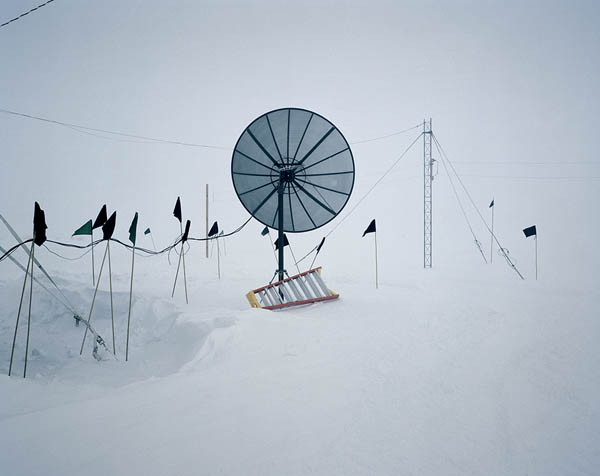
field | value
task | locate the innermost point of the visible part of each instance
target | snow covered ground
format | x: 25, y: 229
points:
x: 462, y: 369
x: 434, y: 374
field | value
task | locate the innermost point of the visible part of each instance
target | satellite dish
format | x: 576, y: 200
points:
x: 293, y: 171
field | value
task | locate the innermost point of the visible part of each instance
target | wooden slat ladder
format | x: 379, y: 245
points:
x: 303, y: 288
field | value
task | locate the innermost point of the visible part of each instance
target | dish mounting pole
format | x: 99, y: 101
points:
x: 280, y: 193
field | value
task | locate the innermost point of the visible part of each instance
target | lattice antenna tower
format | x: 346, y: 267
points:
x: 427, y: 193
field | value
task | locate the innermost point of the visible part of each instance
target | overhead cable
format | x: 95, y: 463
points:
x: 116, y: 133
x: 26, y: 13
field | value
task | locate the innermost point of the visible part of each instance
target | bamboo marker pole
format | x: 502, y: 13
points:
x: 177, y: 272
x: 313, y: 261
x: 93, y: 270
x: 536, y: 261
x: 112, y: 314
x: 294, y: 257
x: 272, y: 246
x: 218, y: 258
x: 181, y: 257
x: 19, y: 312
x: 376, y: 266
x: 93, y: 301
x: 492, y: 238
x: 153, y: 244
x: 184, y: 273
x: 29, y: 316
x: 130, y: 297
x: 207, y: 220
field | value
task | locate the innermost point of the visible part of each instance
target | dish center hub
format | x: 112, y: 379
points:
x: 287, y: 175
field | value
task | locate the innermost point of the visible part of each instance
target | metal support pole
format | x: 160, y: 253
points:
x: 427, y: 194
x: 280, y: 191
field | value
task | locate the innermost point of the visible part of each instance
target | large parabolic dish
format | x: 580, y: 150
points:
x: 293, y: 170
x: 305, y: 154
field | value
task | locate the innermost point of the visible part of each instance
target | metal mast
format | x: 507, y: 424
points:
x: 427, y: 193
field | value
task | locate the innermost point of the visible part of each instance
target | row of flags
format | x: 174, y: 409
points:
x: 107, y: 225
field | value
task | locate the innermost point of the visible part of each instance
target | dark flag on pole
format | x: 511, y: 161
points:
x: 531, y: 231
x: 85, y: 229
x: 133, y: 229
x: 177, y: 210
x: 186, y: 232
x: 101, y: 218
x: 285, y: 242
x: 491, y: 204
x: 321, y: 245
x: 371, y: 228
x: 147, y: 231
x: 39, y: 225
x: 213, y: 229
x: 265, y: 231
x: 109, y: 227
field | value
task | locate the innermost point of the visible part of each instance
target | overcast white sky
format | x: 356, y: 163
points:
x: 503, y: 81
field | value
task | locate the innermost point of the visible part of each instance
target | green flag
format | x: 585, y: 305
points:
x: 147, y: 231
x: 133, y: 229
x: 85, y: 229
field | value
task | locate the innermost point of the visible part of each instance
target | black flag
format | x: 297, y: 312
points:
x: 109, y: 227
x: 101, y: 218
x: 213, y: 229
x: 186, y: 232
x: 177, y: 210
x: 39, y: 225
x: 491, y: 204
x: 371, y: 228
x: 285, y: 242
x: 531, y: 231
x: 320, y: 245
x: 265, y: 231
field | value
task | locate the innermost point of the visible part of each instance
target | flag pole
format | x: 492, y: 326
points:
x: 272, y: 245
x: 93, y: 301
x: 536, y: 259
x: 93, y: 270
x: 177, y: 272
x: 29, y: 316
x: 184, y: 274
x: 207, y: 220
x: 492, y: 238
x: 376, y: 266
x: 130, y: 297
x: 19, y: 312
x: 112, y: 314
x: 218, y: 257
x: 292, y: 251
x: 152, y: 238
x: 313, y: 261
